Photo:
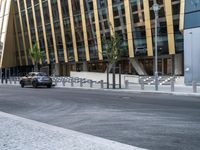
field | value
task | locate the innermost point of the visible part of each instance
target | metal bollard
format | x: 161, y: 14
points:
x: 72, y: 83
x: 194, y: 85
x: 14, y: 80
x: 126, y: 84
x: 142, y: 84
x: 10, y: 80
x: 63, y: 83
x: 56, y: 82
x: 101, y: 84
x: 172, y: 85
x: 81, y: 82
x: 91, y: 83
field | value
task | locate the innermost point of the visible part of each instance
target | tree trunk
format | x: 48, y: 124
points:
x: 114, y: 83
x: 36, y: 68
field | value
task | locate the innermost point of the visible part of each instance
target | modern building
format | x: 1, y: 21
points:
x: 70, y: 33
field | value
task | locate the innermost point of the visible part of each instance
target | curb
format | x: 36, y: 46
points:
x: 136, y: 91
x: 119, y: 90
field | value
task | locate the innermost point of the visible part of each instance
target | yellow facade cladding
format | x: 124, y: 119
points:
x: 73, y: 30
x: 35, y: 26
x: 148, y: 28
x: 53, y: 32
x: 87, y: 52
x: 62, y: 30
x: 28, y: 27
x: 129, y: 28
x: 182, y: 11
x: 170, y: 26
x: 17, y: 42
x: 111, y: 17
x: 98, y: 34
x: 44, y: 31
x: 22, y: 31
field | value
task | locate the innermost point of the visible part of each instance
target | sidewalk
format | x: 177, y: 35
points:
x: 136, y: 88
x: 18, y: 133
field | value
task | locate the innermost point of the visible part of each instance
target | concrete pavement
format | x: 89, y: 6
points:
x: 18, y: 133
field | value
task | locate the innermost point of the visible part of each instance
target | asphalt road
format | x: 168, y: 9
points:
x: 145, y: 120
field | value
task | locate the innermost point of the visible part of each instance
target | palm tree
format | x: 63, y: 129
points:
x: 36, y: 54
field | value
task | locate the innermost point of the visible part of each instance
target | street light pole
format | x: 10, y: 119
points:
x: 156, y: 9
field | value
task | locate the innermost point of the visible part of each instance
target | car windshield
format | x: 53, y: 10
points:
x: 41, y: 74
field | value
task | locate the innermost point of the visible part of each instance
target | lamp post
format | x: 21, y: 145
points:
x: 156, y: 9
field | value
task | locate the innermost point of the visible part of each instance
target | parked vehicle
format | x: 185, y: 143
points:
x: 36, y: 79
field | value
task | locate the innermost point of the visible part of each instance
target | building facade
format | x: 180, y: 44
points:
x: 191, y: 41
x: 71, y: 33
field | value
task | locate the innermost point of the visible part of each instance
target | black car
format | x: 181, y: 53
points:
x: 36, y: 79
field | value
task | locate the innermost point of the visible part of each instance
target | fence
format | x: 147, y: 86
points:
x: 166, y: 83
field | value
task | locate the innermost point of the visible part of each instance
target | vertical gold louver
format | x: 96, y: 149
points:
x: 53, y: 32
x: 73, y: 30
x: 62, y: 30
x: 148, y: 28
x: 84, y: 30
x: 35, y: 26
x: 170, y: 26
x: 28, y: 27
x: 22, y: 32
x: 182, y: 11
x: 98, y: 34
x: 111, y: 17
x: 17, y: 42
x: 44, y: 31
x: 129, y: 28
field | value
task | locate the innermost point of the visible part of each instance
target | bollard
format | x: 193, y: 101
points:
x: 172, y: 85
x: 81, y: 82
x: 14, y: 80
x: 194, y: 85
x: 55, y: 82
x: 142, y: 84
x: 63, y: 83
x: 101, y: 84
x: 126, y: 84
x: 72, y: 83
x: 91, y: 83
x: 10, y: 80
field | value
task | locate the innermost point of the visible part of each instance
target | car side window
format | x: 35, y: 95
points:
x: 29, y: 74
x: 33, y: 74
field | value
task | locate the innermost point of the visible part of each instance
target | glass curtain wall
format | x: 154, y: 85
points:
x: 78, y: 30
x: 48, y: 31
x: 67, y: 28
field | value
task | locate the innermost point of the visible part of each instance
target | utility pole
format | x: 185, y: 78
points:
x: 156, y: 9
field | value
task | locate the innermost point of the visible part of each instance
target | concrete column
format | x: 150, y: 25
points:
x: 178, y: 64
x: 57, y: 70
x: 85, y: 66
x: 163, y: 66
x: 64, y: 69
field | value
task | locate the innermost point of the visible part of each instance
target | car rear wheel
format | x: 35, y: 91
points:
x: 22, y: 84
x: 48, y: 86
x: 35, y: 84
